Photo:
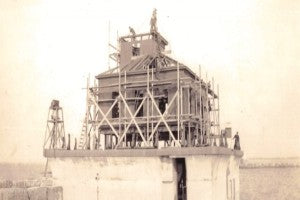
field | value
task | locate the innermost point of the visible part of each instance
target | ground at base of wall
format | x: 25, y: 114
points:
x: 30, y: 190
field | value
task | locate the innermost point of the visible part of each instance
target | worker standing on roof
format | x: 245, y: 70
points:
x: 236, y: 141
x: 132, y: 32
x: 153, y: 27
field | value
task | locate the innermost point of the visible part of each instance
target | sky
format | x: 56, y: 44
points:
x: 251, y: 48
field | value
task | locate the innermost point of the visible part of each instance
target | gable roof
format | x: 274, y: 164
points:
x: 140, y: 63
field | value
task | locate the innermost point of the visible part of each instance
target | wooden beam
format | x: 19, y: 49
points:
x: 101, y: 112
x: 132, y: 121
x: 160, y: 119
x: 163, y: 119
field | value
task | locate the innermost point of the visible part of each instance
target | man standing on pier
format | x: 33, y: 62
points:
x: 236, y: 141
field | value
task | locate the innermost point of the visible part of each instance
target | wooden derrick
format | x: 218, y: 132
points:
x: 55, y: 130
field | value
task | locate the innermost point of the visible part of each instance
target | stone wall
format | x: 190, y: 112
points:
x: 119, y: 177
x: 212, y: 177
x: 208, y: 177
x: 30, y: 190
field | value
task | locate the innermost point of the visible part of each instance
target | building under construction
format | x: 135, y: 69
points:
x: 151, y: 131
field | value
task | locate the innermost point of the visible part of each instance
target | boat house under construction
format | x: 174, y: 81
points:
x: 151, y: 131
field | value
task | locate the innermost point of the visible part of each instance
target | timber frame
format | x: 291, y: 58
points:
x: 177, y: 125
x: 55, y: 130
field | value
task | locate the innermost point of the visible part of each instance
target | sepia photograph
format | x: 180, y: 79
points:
x: 149, y: 100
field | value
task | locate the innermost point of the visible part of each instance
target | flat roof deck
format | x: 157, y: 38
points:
x: 169, y: 151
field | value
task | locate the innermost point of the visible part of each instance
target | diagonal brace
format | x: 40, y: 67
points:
x: 162, y: 117
x: 104, y: 116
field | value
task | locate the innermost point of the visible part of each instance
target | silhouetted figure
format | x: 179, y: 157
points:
x: 194, y: 141
x: 132, y: 32
x: 63, y: 146
x: 96, y: 143
x: 155, y: 140
x: 205, y: 143
x: 69, y: 142
x: 75, y: 145
x: 153, y: 27
x: 237, y: 141
x: 88, y: 145
x: 221, y: 144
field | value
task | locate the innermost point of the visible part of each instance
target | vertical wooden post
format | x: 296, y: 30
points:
x: 189, y: 134
x: 214, y: 111
x: 183, y: 140
x: 196, y: 140
x: 152, y: 104
x: 196, y: 130
x: 87, y: 107
x: 189, y: 100
x: 94, y: 108
x: 119, y: 104
x: 213, y: 106
x: 147, y: 129
x: 189, y: 116
x: 98, y: 129
x: 108, y: 48
x: 125, y: 115
x: 178, y: 102
x: 181, y: 128
x: 200, y: 107
x: 218, y: 110
x: 196, y: 99
x: 208, y: 128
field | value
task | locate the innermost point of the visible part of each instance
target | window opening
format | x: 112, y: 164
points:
x: 136, y: 50
x: 139, y: 96
x: 115, y: 109
x: 163, y: 101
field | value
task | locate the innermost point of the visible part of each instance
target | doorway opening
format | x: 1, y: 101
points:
x: 181, y: 178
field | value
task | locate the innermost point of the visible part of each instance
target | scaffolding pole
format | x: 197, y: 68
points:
x: 214, y: 107
x: 152, y: 126
x: 119, y: 103
x: 208, y: 124
x: 178, y: 102
x: 147, y: 128
x: 125, y: 113
x: 200, y: 107
x: 218, y: 110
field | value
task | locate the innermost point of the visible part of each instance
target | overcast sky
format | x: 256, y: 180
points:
x: 251, y: 48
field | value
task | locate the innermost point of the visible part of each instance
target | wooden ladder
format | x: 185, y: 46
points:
x: 82, y: 139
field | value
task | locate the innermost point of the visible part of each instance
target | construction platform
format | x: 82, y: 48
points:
x: 142, y: 152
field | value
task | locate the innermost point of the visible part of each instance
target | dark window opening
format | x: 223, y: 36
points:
x: 163, y: 101
x: 115, y: 109
x: 152, y: 64
x: 181, y: 178
x: 136, y: 51
x: 164, y: 135
x: 139, y: 95
x: 209, y: 106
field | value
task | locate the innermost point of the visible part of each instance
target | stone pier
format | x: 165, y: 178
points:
x: 211, y: 173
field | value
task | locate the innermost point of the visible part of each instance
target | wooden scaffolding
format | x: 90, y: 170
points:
x: 150, y: 100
